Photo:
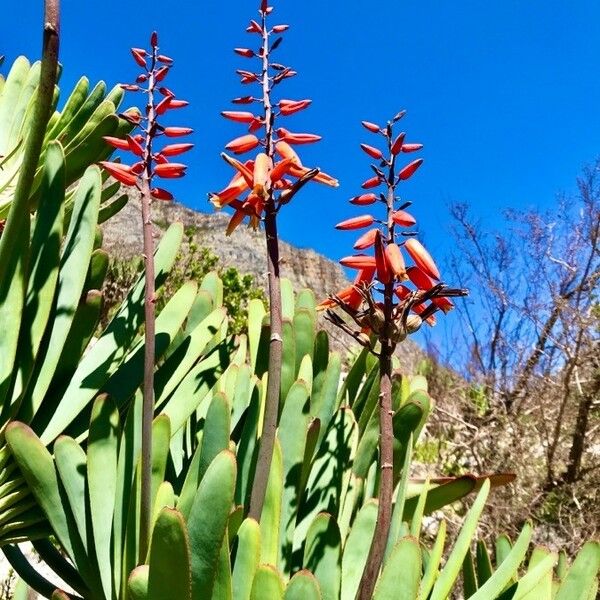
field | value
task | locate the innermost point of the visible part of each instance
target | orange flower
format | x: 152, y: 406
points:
x: 175, y: 149
x: 395, y: 260
x: 297, y: 138
x: 177, y: 131
x: 239, y: 116
x: 366, y: 240
x: 364, y: 199
x: 120, y: 172
x: 422, y: 258
x: 401, y: 217
x: 358, y: 261
x: 356, y: 222
x: 383, y: 270
x: 243, y: 144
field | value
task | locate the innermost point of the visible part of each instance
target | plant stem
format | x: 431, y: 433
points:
x: 386, y: 413
x: 149, y: 321
x: 267, y: 439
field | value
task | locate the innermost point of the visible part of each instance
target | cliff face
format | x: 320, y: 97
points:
x: 245, y: 249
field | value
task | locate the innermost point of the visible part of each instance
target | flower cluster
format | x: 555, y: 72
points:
x: 412, y: 293
x: 273, y: 177
x: 151, y: 162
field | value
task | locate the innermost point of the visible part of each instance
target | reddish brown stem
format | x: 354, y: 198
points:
x: 386, y: 431
x: 267, y: 439
x: 149, y: 321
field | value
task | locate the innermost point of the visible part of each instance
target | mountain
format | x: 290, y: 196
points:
x: 245, y: 250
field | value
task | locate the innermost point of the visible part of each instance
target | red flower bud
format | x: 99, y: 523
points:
x: 128, y: 87
x: 244, y: 52
x: 419, y: 278
x: 243, y: 144
x: 178, y: 103
x: 154, y: 39
x: 372, y: 152
x: 177, y: 131
x: 243, y: 100
x: 371, y: 183
x: 364, y: 199
x: 401, y: 217
x: 356, y: 222
x: 297, y: 138
x: 397, y: 145
x: 167, y: 60
x: 161, y: 73
x: 238, y: 116
x: 120, y: 172
x: 164, y: 105
x: 359, y: 261
x: 116, y: 142
x: 280, y: 28
x: 170, y: 170
x: 254, y: 27
x: 175, y: 149
x: 366, y: 240
x: 409, y: 169
x: 161, y: 194
x: 421, y: 257
x: 289, y: 107
x: 411, y: 148
x: 135, y: 146
x: 139, y: 55
x: 371, y: 126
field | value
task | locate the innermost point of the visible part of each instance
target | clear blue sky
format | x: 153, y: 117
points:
x: 504, y: 94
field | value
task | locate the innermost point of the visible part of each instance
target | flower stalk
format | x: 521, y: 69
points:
x: 257, y: 192
x: 380, y: 310
x: 141, y: 175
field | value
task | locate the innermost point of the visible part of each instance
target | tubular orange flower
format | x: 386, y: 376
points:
x: 243, y: 144
x: 409, y: 169
x: 120, y: 172
x: 164, y: 105
x: 245, y: 170
x: 364, y: 199
x: 177, y: 131
x: 280, y: 169
x: 395, y: 260
x: 134, y: 146
x: 175, y: 149
x: 297, y: 138
x: 238, y: 116
x: 356, y: 222
x: 116, y: 142
x: 262, y: 168
x: 286, y: 151
x: 366, y: 240
x: 383, y: 270
x: 401, y: 217
x: 358, y: 261
x: 372, y: 152
x: 289, y: 108
x: 421, y: 257
x: 234, y: 222
x: 419, y: 278
x: 170, y: 170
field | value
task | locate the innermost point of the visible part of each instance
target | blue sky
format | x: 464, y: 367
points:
x: 504, y: 94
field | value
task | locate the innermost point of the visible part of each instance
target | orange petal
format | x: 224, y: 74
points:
x: 421, y: 257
